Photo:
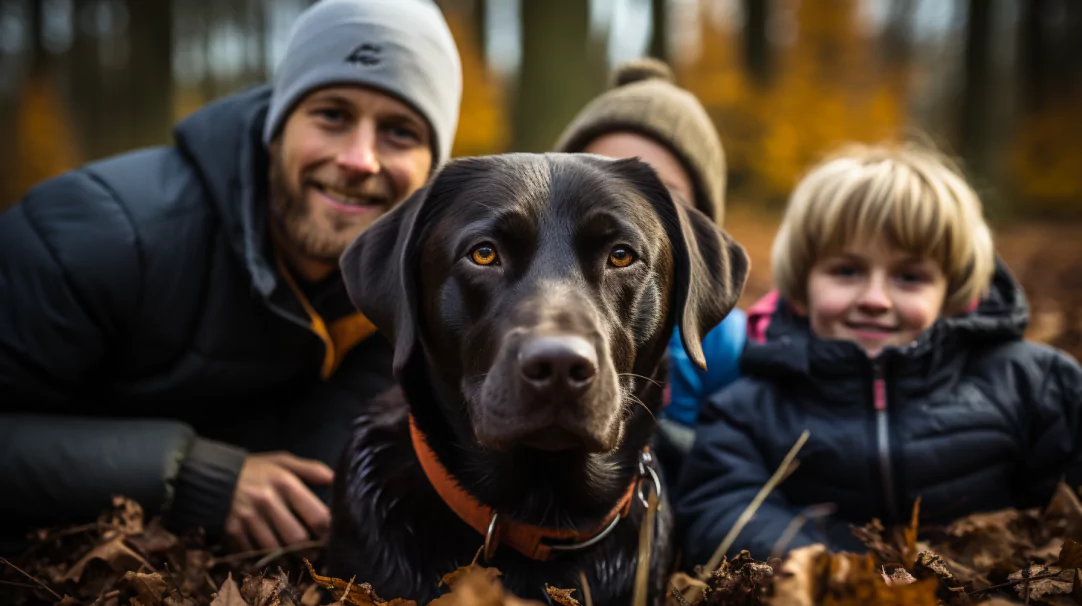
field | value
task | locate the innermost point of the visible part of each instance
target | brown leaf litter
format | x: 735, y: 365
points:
x: 1005, y: 557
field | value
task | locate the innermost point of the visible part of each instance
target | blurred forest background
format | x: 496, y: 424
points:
x: 997, y: 83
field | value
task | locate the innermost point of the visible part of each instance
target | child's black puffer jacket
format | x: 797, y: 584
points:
x: 969, y: 417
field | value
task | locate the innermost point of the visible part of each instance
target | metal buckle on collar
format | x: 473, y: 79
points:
x: 646, y: 471
x: 490, y: 546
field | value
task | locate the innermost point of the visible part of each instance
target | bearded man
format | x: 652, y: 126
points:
x: 173, y: 323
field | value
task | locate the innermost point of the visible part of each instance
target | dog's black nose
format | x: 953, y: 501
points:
x: 558, y: 364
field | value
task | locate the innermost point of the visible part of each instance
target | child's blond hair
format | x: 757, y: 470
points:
x: 913, y: 198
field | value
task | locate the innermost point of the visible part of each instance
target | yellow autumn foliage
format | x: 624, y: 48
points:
x: 45, y: 139
x: 483, y: 126
x: 827, y: 88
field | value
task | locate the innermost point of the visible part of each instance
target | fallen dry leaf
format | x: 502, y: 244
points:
x: 871, y: 534
x: 115, y: 553
x: 479, y: 588
x: 311, y: 596
x: 1047, y: 553
x: 812, y: 576
x: 258, y: 590
x: 1070, y: 556
x: 174, y: 599
x: 1066, y: 506
x: 740, y: 581
x: 193, y: 575
x: 155, y: 540
x: 346, y: 591
x: 994, y: 521
x: 991, y: 541
x: 797, y: 584
x: 148, y: 588
x: 126, y: 516
x: 900, y: 576
x: 229, y: 594
x: 561, y: 596
x: 910, y: 533
x: 1041, y: 589
x: 451, y: 578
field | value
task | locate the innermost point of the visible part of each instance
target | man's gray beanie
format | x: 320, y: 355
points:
x: 401, y: 47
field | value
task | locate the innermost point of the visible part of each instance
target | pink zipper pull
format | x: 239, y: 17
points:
x: 880, y: 390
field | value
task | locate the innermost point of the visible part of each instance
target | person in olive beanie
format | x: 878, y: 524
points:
x: 645, y: 101
x: 646, y: 115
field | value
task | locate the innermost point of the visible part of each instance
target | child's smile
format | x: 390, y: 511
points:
x: 875, y: 295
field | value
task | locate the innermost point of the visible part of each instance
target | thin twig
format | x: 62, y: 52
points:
x: 73, y: 530
x: 640, y: 593
x: 240, y: 556
x: 1038, y: 577
x: 752, y: 507
x: 587, y: 598
x: 171, y: 576
x: 32, y: 578
x: 18, y: 584
x: 679, y: 596
x: 105, y: 597
x: 795, y: 465
x: 1025, y: 575
x: 811, y: 512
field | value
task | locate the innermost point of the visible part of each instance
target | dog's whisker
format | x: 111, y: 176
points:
x: 644, y: 406
x: 631, y: 374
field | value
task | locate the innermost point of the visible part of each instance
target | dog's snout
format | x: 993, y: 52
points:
x: 558, y: 364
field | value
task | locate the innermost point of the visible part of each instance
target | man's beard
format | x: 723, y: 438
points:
x: 290, y: 211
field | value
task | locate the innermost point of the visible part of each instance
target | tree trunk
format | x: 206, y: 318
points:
x: 209, y: 84
x: 756, y: 47
x: 975, y: 106
x: 555, y: 79
x: 659, y: 39
x: 897, y: 35
x: 150, y: 72
x: 86, y: 82
x: 479, y: 12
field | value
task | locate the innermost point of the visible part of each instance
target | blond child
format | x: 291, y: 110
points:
x: 896, y: 337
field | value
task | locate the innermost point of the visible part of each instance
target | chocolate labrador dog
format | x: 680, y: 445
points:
x: 530, y: 299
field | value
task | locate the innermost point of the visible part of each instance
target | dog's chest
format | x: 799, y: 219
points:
x: 390, y: 528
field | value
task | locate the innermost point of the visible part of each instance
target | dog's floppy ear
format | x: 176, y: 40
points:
x: 379, y: 276
x: 710, y: 267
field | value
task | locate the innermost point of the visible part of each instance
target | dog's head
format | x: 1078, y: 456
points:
x: 532, y: 293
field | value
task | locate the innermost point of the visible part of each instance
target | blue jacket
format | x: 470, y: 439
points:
x: 689, y: 385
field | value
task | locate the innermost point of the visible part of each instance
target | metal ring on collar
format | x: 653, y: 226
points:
x: 644, y: 470
x: 591, y: 541
x: 490, y: 546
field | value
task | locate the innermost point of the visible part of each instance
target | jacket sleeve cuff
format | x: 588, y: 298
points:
x: 204, y: 486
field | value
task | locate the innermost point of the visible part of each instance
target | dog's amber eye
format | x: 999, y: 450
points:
x: 484, y: 254
x: 621, y: 256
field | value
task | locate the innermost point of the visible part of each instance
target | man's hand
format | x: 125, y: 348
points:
x: 272, y: 505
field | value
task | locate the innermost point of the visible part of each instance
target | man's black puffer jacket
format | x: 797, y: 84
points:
x: 148, y: 340
x: 969, y: 417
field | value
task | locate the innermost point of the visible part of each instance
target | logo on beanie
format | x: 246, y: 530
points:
x: 365, y: 54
